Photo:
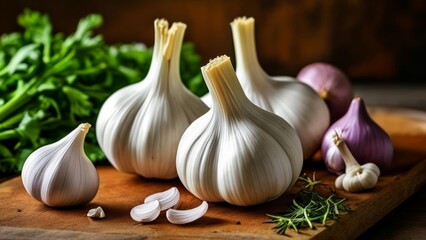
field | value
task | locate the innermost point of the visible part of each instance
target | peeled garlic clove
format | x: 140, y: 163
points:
x: 186, y: 216
x: 139, y: 126
x: 167, y: 199
x: 96, y: 213
x: 146, y: 212
x: 60, y: 174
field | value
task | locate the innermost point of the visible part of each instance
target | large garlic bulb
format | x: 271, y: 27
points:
x: 140, y: 125
x: 237, y: 152
x: 60, y: 174
x: 290, y: 99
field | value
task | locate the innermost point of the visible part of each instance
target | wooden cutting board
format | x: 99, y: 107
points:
x: 22, y: 216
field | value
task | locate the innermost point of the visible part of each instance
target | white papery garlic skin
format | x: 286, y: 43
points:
x: 139, y: 126
x: 60, y: 174
x: 288, y: 98
x: 237, y: 152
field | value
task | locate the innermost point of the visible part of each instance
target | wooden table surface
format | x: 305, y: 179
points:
x: 407, y: 220
x: 404, y: 222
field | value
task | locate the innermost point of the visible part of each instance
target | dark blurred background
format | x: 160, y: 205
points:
x: 371, y: 41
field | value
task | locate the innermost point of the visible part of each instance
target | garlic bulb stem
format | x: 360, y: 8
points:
x: 346, y: 154
x: 286, y: 97
x: 246, y: 53
x: 229, y: 97
x: 164, y: 73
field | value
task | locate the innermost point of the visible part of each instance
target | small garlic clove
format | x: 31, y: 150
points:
x: 339, y: 181
x: 186, y: 216
x: 146, y: 212
x: 372, y: 167
x: 167, y: 199
x: 96, y: 213
x: 368, y: 179
x: 60, y: 174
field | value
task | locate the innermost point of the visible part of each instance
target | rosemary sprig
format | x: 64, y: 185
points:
x: 309, y: 207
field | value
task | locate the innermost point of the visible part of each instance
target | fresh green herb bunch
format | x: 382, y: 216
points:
x: 49, y: 83
x: 309, y: 207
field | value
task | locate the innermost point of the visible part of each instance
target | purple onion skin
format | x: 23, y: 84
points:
x: 331, y: 84
x: 367, y: 141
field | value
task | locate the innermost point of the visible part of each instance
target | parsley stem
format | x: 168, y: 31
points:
x: 14, y: 103
x: 9, y: 134
x: 11, y: 121
x: 20, y: 99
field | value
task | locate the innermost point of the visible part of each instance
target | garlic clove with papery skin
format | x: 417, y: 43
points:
x: 356, y: 177
x: 237, y: 152
x: 60, y: 174
x: 139, y: 126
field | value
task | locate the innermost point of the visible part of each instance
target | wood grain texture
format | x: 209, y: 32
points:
x: 119, y: 192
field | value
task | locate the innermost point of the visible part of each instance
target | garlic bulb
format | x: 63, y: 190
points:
x: 367, y: 141
x: 139, y: 126
x: 331, y: 84
x: 356, y: 177
x: 237, y: 152
x: 290, y: 99
x: 60, y: 174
